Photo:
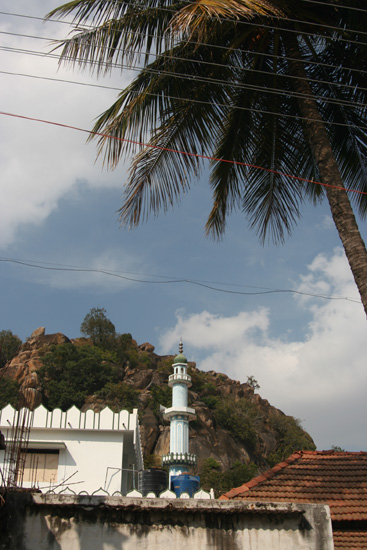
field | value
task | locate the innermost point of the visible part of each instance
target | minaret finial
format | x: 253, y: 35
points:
x: 180, y: 346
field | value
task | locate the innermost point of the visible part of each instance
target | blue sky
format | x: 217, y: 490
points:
x: 58, y: 209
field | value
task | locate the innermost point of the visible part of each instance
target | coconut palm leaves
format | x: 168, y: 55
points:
x: 268, y: 83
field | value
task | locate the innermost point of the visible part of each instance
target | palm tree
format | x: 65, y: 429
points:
x: 268, y: 83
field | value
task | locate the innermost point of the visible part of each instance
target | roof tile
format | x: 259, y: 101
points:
x: 336, y: 478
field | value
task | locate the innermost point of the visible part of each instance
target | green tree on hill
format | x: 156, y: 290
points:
x: 212, y: 476
x: 9, y: 345
x: 98, y: 327
x: 9, y: 392
x: 69, y: 374
x: 290, y: 436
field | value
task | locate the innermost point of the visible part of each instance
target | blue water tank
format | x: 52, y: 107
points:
x: 185, y: 483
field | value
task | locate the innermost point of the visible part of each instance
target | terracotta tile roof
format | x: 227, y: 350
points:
x: 336, y: 478
x: 349, y: 540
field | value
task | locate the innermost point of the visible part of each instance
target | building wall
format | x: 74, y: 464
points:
x: 95, y: 450
x: 63, y: 522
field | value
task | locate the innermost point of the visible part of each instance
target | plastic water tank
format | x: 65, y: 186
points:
x: 152, y: 480
x: 185, y: 483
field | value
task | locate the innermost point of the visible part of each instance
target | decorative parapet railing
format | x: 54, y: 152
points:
x: 179, y: 377
x: 179, y: 458
x: 67, y: 491
x: 74, y: 419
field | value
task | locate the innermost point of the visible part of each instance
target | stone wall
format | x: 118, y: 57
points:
x: 30, y: 521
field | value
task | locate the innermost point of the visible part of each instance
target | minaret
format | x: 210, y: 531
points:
x: 179, y: 459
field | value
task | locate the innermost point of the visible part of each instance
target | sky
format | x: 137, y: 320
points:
x: 241, y: 308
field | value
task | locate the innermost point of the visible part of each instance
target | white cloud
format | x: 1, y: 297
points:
x: 109, y: 272
x: 214, y: 330
x: 41, y: 163
x: 321, y: 380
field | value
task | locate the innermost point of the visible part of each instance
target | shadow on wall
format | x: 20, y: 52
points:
x: 76, y: 534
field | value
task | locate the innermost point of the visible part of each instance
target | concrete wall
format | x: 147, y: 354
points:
x: 63, y: 522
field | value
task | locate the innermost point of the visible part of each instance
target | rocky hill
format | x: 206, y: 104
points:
x: 233, y: 422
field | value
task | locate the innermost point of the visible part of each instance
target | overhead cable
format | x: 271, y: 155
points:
x: 255, y: 88
x: 188, y: 153
x: 332, y: 4
x: 239, y: 22
x: 172, y: 280
x: 305, y: 61
x: 184, y: 76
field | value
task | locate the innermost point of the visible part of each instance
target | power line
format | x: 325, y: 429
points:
x: 193, y: 42
x: 242, y: 22
x: 188, y: 153
x: 131, y: 67
x: 176, y: 98
x: 64, y: 80
x: 171, y: 280
x: 275, y: 91
x: 247, y: 22
x: 221, y: 83
x: 224, y: 105
x: 280, y: 18
x: 331, y: 4
x: 202, y: 62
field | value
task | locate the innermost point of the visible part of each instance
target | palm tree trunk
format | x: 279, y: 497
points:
x: 340, y: 206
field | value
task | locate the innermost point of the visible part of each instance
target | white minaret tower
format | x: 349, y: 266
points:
x: 179, y: 459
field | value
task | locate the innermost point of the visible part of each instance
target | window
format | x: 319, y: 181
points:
x: 41, y: 466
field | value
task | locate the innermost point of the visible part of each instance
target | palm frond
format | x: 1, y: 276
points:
x: 123, y: 32
x: 197, y: 14
x: 154, y: 109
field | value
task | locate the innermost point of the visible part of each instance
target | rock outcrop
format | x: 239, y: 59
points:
x: 208, y: 437
x: 24, y: 366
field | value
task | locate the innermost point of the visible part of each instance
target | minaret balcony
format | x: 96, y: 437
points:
x: 187, y: 412
x: 179, y: 458
x: 181, y: 377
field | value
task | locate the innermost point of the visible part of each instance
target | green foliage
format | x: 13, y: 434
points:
x: 251, y: 381
x: 211, y: 475
x: 291, y: 438
x: 161, y: 395
x: 238, y: 474
x: 123, y: 346
x: 337, y: 449
x: 145, y: 360
x: 69, y: 374
x: 209, y: 389
x: 120, y: 396
x: 209, y: 395
x: 198, y: 379
x: 9, y: 345
x: 98, y: 327
x: 211, y: 401
x: 165, y: 367
x: 9, y: 392
x: 240, y: 418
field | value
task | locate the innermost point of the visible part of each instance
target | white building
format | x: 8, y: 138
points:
x: 85, y: 451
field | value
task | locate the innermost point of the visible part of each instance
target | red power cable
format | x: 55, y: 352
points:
x: 206, y: 157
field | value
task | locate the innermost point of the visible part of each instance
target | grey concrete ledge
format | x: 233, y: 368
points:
x: 162, y: 504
